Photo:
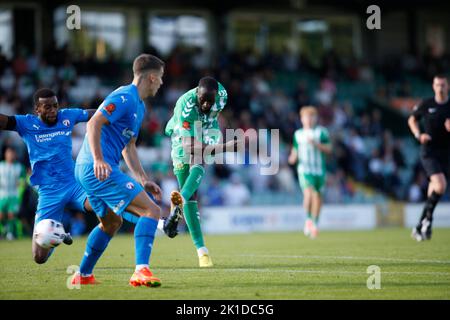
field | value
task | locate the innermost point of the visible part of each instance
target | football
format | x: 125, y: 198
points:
x: 49, y: 233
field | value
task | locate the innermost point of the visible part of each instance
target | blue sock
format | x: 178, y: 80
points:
x: 144, y: 234
x: 50, y: 252
x: 96, y: 243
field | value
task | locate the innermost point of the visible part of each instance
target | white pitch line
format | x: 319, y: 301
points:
x: 274, y: 270
x: 346, y: 258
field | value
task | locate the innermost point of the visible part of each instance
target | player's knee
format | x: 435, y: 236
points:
x: 440, y: 188
x: 112, y: 226
x: 116, y: 224
x: 153, y: 212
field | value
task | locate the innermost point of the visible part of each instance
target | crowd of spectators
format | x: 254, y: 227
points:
x: 364, y: 149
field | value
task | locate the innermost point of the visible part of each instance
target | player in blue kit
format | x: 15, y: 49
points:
x: 111, y: 134
x: 48, y: 137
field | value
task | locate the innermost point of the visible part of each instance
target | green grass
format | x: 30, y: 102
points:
x: 252, y: 266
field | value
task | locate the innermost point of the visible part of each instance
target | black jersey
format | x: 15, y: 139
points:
x: 434, y: 116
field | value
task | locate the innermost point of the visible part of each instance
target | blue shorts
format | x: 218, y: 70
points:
x: 116, y: 192
x: 54, y: 199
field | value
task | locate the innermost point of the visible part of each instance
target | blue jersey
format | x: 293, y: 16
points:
x: 50, y: 147
x: 124, y: 110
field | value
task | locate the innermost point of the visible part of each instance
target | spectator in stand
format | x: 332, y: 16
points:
x: 236, y: 193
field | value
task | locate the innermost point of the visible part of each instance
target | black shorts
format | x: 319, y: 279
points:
x: 435, y: 161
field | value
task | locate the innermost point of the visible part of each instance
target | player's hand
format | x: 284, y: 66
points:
x: 447, y: 125
x: 153, y: 188
x: 424, y: 138
x: 102, y: 170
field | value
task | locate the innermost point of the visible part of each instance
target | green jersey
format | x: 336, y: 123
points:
x: 188, y: 121
x: 11, y: 175
x: 310, y: 159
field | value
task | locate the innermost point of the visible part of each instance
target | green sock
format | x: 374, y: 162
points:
x: 19, y: 229
x: 192, y: 218
x: 196, y: 174
x: 316, y: 219
x: 11, y: 224
x: 1, y: 228
x: 309, y: 215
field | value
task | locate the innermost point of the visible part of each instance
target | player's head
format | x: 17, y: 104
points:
x: 148, y: 71
x: 206, y: 93
x: 308, y: 116
x: 10, y: 154
x: 440, y: 86
x: 46, y: 105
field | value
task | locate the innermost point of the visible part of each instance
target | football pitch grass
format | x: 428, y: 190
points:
x: 248, y: 266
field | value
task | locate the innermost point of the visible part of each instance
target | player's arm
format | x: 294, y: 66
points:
x: 94, y: 127
x: 194, y: 146
x: 91, y: 113
x: 324, y: 143
x: 447, y: 124
x: 131, y: 158
x: 293, y: 156
x: 414, y: 125
x: 323, y: 147
x: 7, y: 122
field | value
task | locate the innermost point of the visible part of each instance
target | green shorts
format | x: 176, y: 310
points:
x: 317, y: 182
x: 10, y: 205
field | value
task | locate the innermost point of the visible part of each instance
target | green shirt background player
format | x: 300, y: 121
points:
x: 194, y: 126
x: 12, y: 181
x: 309, y: 147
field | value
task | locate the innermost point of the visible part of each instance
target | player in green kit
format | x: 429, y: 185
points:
x: 193, y: 127
x: 12, y: 180
x: 310, y: 145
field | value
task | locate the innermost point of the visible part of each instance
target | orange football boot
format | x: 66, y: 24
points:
x: 79, y: 279
x: 144, y: 277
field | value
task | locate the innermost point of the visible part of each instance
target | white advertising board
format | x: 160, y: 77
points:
x: 285, y: 218
x: 441, y: 215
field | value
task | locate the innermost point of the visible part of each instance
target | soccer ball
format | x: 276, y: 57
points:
x: 49, y: 233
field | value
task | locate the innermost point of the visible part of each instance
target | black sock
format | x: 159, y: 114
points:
x: 430, y: 204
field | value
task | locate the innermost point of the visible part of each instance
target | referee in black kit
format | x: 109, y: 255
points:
x: 435, y: 149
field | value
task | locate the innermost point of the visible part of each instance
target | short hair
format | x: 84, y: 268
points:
x: 208, y: 83
x: 43, y: 93
x: 308, y: 110
x: 146, y: 62
x: 440, y: 76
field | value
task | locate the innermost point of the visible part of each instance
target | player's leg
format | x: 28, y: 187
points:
x: 2, y: 229
x: 14, y: 224
x: 306, y: 187
x: 436, y: 189
x: 189, y: 179
x: 50, y: 206
x: 98, y: 238
x: 144, y: 236
x: 316, y: 205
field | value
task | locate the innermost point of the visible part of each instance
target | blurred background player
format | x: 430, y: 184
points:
x: 111, y: 134
x: 434, y: 151
x: 48, y: 137
x: 196, y: 110
x: 12, y: 180
x: 310, y: 145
